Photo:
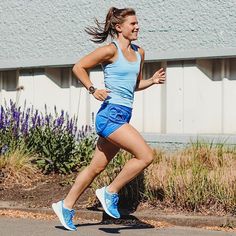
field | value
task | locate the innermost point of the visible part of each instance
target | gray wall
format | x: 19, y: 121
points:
x: 51, y: 32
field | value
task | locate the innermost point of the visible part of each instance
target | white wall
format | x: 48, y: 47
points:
x: 44, y: 87
x: 198, y: 97
x: 147, y: 108
x: 202, y: 101
x: 174, y: 98
x: 53, y: 87
x: 96, y: 77
x: 8, y: 85
x: 229, y: 97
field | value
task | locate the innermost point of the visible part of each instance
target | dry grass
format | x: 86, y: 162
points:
x: 17, y: 169
x: 200, y: 178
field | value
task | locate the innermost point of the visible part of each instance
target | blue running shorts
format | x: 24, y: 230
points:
x: 110, y: 117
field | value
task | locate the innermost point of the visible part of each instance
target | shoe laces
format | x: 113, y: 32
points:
x: 69, y: 217
x: 72, y: 213
x: 115, y: 199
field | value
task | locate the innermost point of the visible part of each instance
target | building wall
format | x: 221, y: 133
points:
x: 197, y: 98
x: 51, y: 32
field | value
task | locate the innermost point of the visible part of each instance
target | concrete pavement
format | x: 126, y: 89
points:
x: 181, y: 224
x: 32, y: 227
x: 174, y: 219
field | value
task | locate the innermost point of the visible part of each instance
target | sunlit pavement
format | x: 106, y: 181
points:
x: 32, y: 227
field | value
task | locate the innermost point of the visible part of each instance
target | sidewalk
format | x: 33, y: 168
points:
x: 34, y: 227
x: 153, y: 215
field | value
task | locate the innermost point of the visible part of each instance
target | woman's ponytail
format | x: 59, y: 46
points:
x: 101, y: 31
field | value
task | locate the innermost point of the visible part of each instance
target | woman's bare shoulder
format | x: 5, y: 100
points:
x: 141, y: 51
x: 107, y: 51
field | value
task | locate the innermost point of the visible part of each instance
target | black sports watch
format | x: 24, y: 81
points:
x: 91, y: 89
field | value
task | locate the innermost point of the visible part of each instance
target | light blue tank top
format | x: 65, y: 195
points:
x: 120, y: 78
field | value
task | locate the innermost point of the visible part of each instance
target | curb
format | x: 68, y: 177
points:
x: 175, y: 219
x: 190, y: 220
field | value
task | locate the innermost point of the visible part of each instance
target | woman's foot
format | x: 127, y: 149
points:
x: 109, y: 202
x: 65, y: 215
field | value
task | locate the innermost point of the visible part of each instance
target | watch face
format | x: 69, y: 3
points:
x: 91, y: 89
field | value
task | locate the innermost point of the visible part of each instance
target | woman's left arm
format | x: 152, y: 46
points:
x: 159, y: 76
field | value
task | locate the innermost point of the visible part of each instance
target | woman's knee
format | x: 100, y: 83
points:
x: 148, y: 158
x: 96, y: 170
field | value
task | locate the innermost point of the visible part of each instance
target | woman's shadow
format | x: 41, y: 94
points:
x: 115, y: 226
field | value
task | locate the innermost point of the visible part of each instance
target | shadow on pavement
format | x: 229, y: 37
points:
x: 61, y: 228
x: 126, y: 222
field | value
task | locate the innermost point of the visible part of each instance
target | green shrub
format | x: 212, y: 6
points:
x: 59, y: 146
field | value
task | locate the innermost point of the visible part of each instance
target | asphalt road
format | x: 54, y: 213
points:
x: 32, y: 227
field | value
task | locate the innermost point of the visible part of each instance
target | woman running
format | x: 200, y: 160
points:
x: 122, y: 63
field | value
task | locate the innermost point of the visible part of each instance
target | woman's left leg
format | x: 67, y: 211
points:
x: 103, y: 154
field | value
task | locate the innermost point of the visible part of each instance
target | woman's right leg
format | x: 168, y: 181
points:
x: 129, y: 139
x: 105, y: 151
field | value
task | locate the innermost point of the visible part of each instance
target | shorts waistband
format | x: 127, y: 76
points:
x: 128, y: 109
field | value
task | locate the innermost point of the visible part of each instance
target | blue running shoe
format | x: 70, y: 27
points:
x: 65, y: 215
x: 109, y: 202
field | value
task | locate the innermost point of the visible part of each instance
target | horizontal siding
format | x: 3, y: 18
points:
x: 197, y: 97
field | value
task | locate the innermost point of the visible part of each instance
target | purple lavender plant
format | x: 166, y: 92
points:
x: 2, y: 117
x: 4, y: 149
x: 55, y: 138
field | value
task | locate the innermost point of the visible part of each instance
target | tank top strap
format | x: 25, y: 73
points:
x: 135, y: 48
x: 117, y: 45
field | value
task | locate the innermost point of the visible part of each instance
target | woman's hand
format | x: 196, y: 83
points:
x: 159, y: 77
x: 101, y: 94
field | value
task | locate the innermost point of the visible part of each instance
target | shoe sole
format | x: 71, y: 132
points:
x: 58, y: 212
x: 99, y: 193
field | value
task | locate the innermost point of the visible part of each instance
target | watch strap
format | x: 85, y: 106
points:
x: 92, y: 89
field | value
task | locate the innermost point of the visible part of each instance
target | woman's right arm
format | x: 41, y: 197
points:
x: 100, y: 55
